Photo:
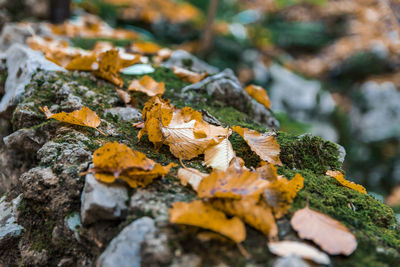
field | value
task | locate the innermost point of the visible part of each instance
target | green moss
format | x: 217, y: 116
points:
x: 308, y: 152
x: 373, y: 223
x: 89, y: 43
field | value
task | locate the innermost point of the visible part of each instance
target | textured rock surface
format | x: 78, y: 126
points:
x: 125, y: 113
x: 125, y: 249
x: 102, y: 202
x: 9, y: 229
x: 184, y: 59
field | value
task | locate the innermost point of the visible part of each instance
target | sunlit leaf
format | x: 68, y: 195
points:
x: 259, y: 94
x: 188, y: 76
x: 340, y: 178
x: 191, y: 176
x: 148, y: 86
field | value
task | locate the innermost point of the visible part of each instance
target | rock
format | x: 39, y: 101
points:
x: 187, y: 260
x: 102, y: 202
x: 13, y: 33
x: 225, y: 87
x: 183, y: 59
x: 73, y: 222
x: 39, y: 183
x: 32, y: 257
x: 290, y: 261
x: 125, y: 113
x: 342, y: 153
x: 22, y: 62
x: 376, y: 116
x: 155, y: 250
x: 24, y: 117
x: 146, y: 202
x: 125, y: 249
x: 9, y: 229
x: 27, y: 140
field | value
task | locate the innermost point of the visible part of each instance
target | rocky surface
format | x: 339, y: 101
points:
x: 70, y: 219
x: 9, y: 228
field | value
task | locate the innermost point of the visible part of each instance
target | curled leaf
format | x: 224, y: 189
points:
x: 188, y: 76
x: 259, y: 94
x: 197, y: 213
x: 233, y: 183
x: 340, y: 178
x: 148, y: 86
x: 84, y: 117
x: 191, y: 176
x: 280, y: 193
x: 253, y: 212
x: 331, y: 235
x: 219, y: 153
x: 286, y: 248
x: 265, y: 146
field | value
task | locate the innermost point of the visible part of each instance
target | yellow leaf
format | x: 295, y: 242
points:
x: 83, y: 117
x: 331, y: 235
x: 340, y: 178
x: 147, y: 48
x: 259, y: 94
x: 188, y: 76
x: 233, y: 183
x: 286, y: 248
x: 83, y: 63
x: 191, y: 176
x: 148, y: 86
x: 280, y: 193
x: 265, y: 146
x: 253, y: 212
x: 203, y: 215
x: 219, y: 154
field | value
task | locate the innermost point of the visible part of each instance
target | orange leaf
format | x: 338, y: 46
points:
x: 148, y: 86
x: 331, y: 235
x: 191, y: 176
x: 188, y: 76
x: 233, y: 183
x: 268, y: 171
x: 259, y: 94
x: 83, y: 63
x: 254, y: 213
x: 203, y: 215
x: 219, y: 153
x: 340, y: 178
x: 147, y: 48
x: 280, y: 193
x: 265, y: 146
x: 83, y: 117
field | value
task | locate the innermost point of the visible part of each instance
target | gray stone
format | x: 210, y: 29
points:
x: 183, y: 59
x: 9, y: 229
x: 22, y: 62
x: 125, y: 113
x: 24, y: 139
x: 101, y: 201
x: 225, y: 87
x: 187, y: 260
x: 14, y: 33
x: 290, y: 261
x: 146, y: 202
x: 125, y: 249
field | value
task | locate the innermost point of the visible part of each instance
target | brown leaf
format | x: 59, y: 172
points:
x: 331, y: 235
x: 265, y: 146
x: 219, y: 153
x: 191, y: 176
x: 394, y: 198
x: 148, y: 86
x: 259, y: 94
x: 340, y: 178
x: 203, y: 215
x: 188, y: 76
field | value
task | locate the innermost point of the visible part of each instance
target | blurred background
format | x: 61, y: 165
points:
x: 330, y: 67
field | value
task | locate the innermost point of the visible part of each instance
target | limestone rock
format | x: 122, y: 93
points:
x: 9, y: 229
x: 22, y: 62
x: 125, y: 113
x: 290, y: 261
x: 125, y: 249
x: 183, y: 59
x: 101, y: 201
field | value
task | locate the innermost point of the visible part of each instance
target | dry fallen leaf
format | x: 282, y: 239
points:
x: 340, y: 178
x: 265, y: 146
x: 203, y: 215
x: 394, y: 198
x: 84, y: 117
x: 280, y: 193
x: 147, y: 48
x: 148, y: 86
x: 259, y: 94
x: 307, y: 252
x: 191, y: 176
x: 331, y: 235
x: 219, y: 153
x: 83, y: 63
x: 117, y: 161
x: 233, y: 183
x: 253, y: 212
x: 188, y: 76
x: 267, y: 171
x: 162, y: 55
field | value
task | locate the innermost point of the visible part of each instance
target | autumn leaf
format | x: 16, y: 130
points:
x: 162, y: 55
x: 191, y: 176
x: 117, y: 161
x: 265, y: 146
x: 83, y: 117
x: 83, y: 63
x: 147, y: 48
x: 331, y: 235
x: 280, y: 193
x: 268, y: 171
x: 233, y: 183
x: 188, y: 76
x: 219, y: 153
x: 259, y: 94
x: 197, y: 213
x: 299, y: 249
x: 340, y: 178
x: 394, y: 198
x: 148, y: 86
x: 255, y: 213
